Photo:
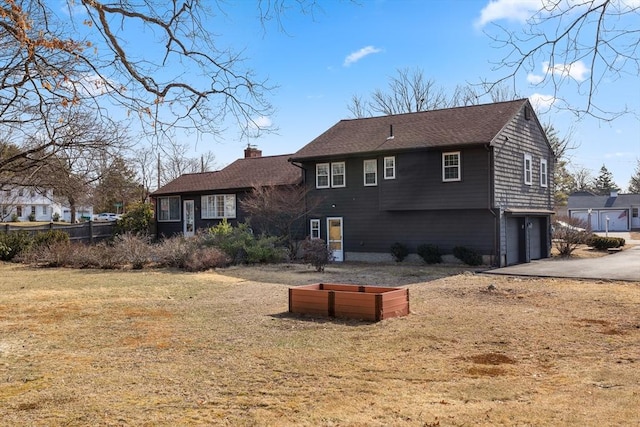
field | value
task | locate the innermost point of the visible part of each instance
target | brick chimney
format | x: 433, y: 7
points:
x: 251, y: 152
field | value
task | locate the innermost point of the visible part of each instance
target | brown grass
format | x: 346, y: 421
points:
x: 82, y: 347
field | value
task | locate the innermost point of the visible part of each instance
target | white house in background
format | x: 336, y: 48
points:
x: 30, y: 202
x: 615, y: 212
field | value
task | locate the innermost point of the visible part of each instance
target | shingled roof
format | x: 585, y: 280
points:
x: 241, y: 174
x: 475, y: 124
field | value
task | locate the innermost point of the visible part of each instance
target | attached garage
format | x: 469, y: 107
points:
x: 527, y: 238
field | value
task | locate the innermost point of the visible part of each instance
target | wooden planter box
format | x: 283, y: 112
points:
x: 371, y: 303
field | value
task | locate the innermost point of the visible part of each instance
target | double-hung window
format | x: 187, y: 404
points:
x: 451, y: 166
x: 338, y: 175
x: 528, y: 168
x: 331, y: 175
x: 315, y: 228
x: 544, y: 177
x: 169, y: 208
x: 370, y: 172
x: 322, y: 175
x: 390, y: 167
x: 218, y: 206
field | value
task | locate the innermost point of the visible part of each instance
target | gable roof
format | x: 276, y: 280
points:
x: 475, y: 124
x: 582, y: 201
x: 241, y: 174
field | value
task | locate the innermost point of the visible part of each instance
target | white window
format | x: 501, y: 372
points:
x: 451, y: 166
x: 315, y: 229
x: 389, y: 168
x: 527, y: 169
x: 322, y: 175
x: 44, y: 210
x: 218, y: 206
x: 169, y: 208
x: 543, y: 173
x: 338, y: 175
x: 370, y: 172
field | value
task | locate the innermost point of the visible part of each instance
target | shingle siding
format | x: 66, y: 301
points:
x: 518, y: 138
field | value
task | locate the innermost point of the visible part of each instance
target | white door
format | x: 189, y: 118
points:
x: 189, y: 218
x: 334, y: 238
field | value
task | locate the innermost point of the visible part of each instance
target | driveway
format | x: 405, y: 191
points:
x: 624, y: 265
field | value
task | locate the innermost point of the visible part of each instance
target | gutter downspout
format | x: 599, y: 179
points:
x: 490, y: 200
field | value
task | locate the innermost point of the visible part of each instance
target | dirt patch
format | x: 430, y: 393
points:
x: 219, y: 348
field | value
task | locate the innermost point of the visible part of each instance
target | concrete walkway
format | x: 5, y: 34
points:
x: 624, y: 265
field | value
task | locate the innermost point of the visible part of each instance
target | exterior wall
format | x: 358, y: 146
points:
x: 414, y: 208
x: 520, y: 137
x: 28, y: 197
x: 517, y: 138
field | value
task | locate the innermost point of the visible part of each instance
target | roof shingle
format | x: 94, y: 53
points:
x: 241, y: 174
x: 475, y: 124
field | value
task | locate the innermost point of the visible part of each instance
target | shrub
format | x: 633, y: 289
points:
x: 50, y: 237
x: 56, y: 217
x: 132, y: 249
x: 399, y: 251
x: 206, y: 258
x: 54, y: 254
x: 15, y: 218
x: 468, y: 256
x: 137, y: 220
x: 240, y: 244
x: 32, y: 217
x: 317, y: 253
x: 173, y: 252
x: 603, y: 243
x: 568, y: 233
x: 14, y: 243
x: 430, y: 253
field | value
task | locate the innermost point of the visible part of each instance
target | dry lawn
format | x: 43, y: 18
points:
x: 154, y: 348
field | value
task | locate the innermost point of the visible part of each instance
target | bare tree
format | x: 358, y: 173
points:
x: 583, y: 179
x: 568, y: 234
x: 280, y: 211
x: 72, y: 157
x: 411, y: 92
x: 175, y: 161
x: 581, y: 43
x: 53, y: 59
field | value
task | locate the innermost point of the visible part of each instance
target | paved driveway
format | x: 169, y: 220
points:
x: 624, y: 265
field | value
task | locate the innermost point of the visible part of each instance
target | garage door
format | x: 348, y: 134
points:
x: 513, y: 240
x: 618, y: 220
x: 535, y: 238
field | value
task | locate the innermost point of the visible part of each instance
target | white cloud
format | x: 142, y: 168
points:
x: 261, y: 122
x: 542, y: 103
x: 359, y: 54
x: 577, y: 70
x: 534, y: 79
x: 511, y: 10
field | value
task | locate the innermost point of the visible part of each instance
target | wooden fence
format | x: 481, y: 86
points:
x: 87, y: 232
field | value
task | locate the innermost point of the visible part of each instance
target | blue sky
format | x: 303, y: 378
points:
x: 349, y: 48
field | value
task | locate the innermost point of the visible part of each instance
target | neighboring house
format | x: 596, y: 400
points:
x: 31, y: 202
x: 478, y: 176
x: 615, y: 212
x: 201, y: 200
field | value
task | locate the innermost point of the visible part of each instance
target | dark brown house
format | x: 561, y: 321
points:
x: 201, y: 200
x: 478, y: 176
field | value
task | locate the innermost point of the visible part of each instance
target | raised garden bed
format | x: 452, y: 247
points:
x: 372, y: 303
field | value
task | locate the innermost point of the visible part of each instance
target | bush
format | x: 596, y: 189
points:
x: 50, y: 237
x: 603, y: 243
x: 568, y: 233
x: 468, y: 256
x: 399, y: 251
x: 54, y: 254
x: 173, y: 252
x: 132, y: 249
x: 14, y: 243
x: 32, y: 217
x: 240, y: 244
x: 137, y: 220
x: 206, y: 258
x: 56, y: 217
x: 317, y: 253
x: 430, y: 254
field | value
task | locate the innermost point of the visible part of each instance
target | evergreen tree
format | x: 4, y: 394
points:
x: 604, y: 183
x: 634, y: 182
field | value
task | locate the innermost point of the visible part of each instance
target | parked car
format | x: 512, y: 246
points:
x: 107, y: 216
